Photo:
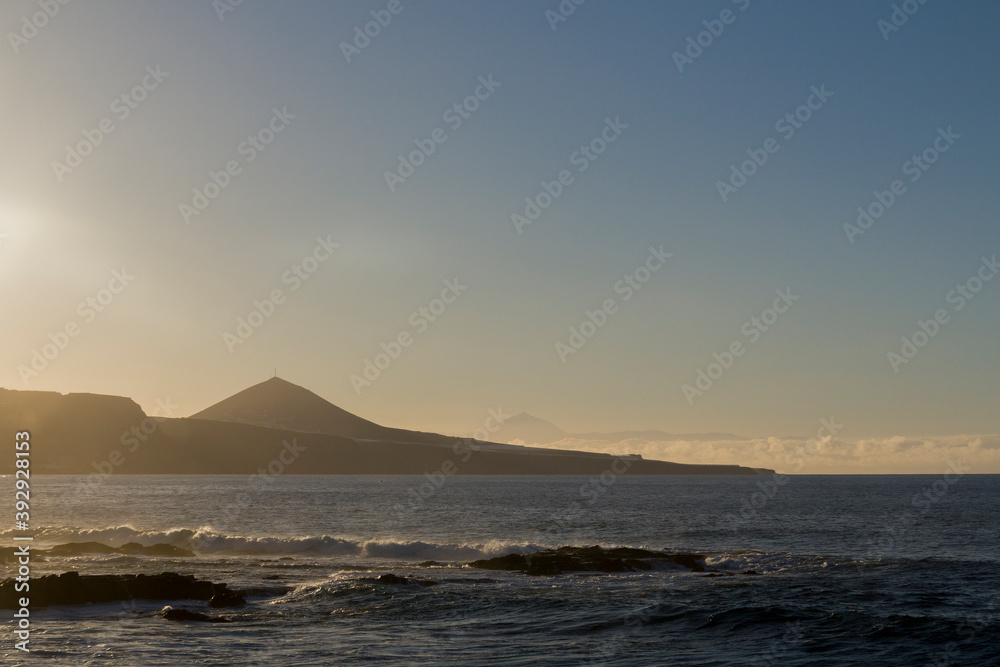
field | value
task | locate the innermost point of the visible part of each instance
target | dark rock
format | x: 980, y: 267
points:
x: 76, y: 548
x: 226, y: 598
x: 185, y: 615
x: 396, y: 580
x: 590, y: 559
x: 132, y: 548
x: 750, y: 572
x: 72, y: 588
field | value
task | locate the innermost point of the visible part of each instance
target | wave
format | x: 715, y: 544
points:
x: 209, y: 542
x: 205, y: 540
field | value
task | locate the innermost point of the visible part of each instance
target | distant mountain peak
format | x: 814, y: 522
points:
x: 529, y: 429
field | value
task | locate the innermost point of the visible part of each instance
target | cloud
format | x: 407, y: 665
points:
x: 890, y: 455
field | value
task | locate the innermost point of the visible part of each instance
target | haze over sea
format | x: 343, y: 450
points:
x: 894, y: 570
x: 500, y: 333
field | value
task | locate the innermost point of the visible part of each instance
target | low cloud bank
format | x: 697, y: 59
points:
x: 830, y: 455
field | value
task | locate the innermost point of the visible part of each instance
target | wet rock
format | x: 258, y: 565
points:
x: 396, y: 580
x: 73, y: 588
x: 590, y: 559
x: 132, y: 548
x: 226, y: 598
x: 76, y: 548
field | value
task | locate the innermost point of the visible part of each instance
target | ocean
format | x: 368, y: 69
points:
x: 803, y: 570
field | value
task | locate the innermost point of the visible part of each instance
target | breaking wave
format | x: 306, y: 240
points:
x: 205, y: 540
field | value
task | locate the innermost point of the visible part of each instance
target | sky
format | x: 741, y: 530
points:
x: 680, y: 171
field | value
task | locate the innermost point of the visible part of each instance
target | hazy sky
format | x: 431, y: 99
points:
x: 308, y: 114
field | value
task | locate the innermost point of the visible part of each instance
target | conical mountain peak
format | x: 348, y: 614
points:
x: 277, y: 403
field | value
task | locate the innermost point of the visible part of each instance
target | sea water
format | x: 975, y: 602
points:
x: 806, y: 570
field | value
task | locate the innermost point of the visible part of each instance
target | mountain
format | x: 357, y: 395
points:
x: 533, y: 430
x: 279, y: 404
x: 527, y: 428
x: 271, y: 428
x: 73, y: 427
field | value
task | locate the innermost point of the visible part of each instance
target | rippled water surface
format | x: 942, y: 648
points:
x: 896, y: 570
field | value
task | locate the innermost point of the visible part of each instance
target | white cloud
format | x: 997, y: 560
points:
x: 890, y: 455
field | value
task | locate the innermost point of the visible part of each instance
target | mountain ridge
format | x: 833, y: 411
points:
x: 278, y: 403
x: 272, y: 428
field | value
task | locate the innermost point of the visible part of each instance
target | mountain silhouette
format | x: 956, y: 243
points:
x: 530, y: 429
x: 272, y: 428
x: 277, y: 403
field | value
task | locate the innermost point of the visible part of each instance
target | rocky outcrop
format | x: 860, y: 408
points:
x: 226, y: 598
x: 131, y: 549
x: 73, y: 588
x: 396, y: 580
x: 590, y: 559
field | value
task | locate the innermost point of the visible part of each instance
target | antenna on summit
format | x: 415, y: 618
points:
x: 275, y: 373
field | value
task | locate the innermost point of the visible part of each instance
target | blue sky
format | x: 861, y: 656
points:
x: 495, y: 345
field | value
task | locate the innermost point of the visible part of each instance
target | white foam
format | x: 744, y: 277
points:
x: 204, y: 540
